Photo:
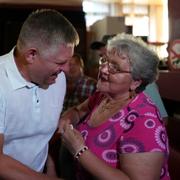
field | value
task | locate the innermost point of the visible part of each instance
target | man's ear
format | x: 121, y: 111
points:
x: 31, y: 55
x: 135, y: 84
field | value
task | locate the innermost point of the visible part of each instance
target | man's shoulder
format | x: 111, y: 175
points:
x: 3, y: 76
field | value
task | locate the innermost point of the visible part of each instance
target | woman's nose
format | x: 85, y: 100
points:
x: 104, y: 67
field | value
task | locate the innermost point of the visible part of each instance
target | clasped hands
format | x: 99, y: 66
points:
x: 71, y: 138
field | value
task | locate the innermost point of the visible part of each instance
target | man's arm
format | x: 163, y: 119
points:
x: 12, y: 169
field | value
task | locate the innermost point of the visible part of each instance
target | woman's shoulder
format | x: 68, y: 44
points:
x: 144, y: 106
x: 142, y: 100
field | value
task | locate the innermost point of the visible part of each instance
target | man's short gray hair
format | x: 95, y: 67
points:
x: 46, y: 28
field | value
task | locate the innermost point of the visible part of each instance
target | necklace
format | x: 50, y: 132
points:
x: 110, y: 104
x: 106, y: 109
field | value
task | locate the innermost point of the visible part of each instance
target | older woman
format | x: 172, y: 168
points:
x: 122, y: 135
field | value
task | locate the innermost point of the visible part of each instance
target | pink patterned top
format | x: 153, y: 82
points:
x: 137, y: 127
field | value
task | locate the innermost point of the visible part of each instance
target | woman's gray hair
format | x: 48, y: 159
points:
x: 46, y: 28
x: 143, y: 60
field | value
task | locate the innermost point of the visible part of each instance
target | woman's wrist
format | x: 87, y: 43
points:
x: 80, y: 151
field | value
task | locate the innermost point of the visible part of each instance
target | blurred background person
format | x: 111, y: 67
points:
x: 79, y: 85
x: 79, y: 88
x: 100, y: 46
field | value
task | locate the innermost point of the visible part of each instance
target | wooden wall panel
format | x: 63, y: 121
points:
x: 12, y: 17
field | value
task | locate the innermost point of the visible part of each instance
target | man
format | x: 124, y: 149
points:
x: 151, y: 89
x: 100, y: 46
x: 79, y: 85
x: 31, y: 77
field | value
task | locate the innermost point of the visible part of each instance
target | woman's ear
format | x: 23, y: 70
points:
x: 135, y: 84
x: 31, y: 55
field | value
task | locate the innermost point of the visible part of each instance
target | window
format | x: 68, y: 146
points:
x: 95, y: 11
x: 149, y: 20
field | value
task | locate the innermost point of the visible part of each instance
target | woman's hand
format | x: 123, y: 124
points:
x: 63, y: 122
x: 72, y: 139
x: 71, y: 116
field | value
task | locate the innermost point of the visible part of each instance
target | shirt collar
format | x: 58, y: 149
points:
x: 16, y: 79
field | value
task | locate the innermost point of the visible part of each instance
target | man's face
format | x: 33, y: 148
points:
x: 45, y: 69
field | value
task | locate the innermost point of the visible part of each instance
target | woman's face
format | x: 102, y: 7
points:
x: 114, y: 75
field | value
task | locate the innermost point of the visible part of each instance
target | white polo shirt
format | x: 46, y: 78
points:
x: 28, y: 114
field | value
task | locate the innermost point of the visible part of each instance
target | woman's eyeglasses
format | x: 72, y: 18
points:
x: 112, y: 68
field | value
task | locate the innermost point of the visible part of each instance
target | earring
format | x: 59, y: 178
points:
x: 132, y: 93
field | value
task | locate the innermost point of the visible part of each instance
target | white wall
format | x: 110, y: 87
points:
x: 108, y: 25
